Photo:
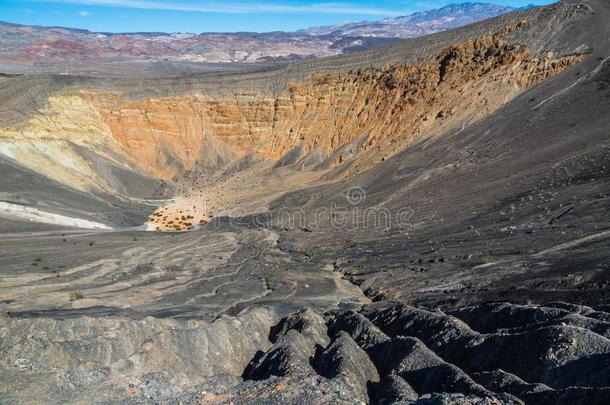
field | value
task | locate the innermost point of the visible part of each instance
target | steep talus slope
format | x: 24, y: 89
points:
x: 512, y: 207
x: 24, y: 188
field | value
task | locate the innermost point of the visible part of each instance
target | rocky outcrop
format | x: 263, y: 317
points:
x: 127, y: 357
x: 255, y: 357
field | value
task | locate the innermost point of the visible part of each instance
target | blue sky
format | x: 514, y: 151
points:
x: 211, y: 16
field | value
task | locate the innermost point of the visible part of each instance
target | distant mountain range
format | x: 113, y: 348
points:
x: 56, y: 49
x: 417, y: 24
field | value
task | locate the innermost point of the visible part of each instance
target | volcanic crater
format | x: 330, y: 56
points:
x: 191, y: 239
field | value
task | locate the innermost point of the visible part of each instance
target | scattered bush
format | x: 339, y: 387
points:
x: 351, y: 272
x: 76, y: 295
x: 489, y: 259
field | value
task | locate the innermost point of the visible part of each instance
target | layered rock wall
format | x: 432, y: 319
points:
x: 390, y: 107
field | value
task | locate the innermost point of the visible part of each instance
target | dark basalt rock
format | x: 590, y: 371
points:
x: 344, y: 361
x: 501, y: 381
x: 360, y: 364
x: 363, y: 331
x: 307, y: 322
x: 572, y: 395
x: 437, y: 330
x: 425, y: 371
x: 291, y: 354
x: 559, y: 356
x: 493, y: 317
x: 394, y: 389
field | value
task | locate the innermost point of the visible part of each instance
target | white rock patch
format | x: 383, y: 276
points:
x: 15, y: 211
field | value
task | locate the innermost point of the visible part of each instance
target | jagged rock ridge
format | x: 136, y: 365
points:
x: 383, y: 353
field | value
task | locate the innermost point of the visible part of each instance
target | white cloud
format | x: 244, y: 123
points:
x: 227, y: 7
x: 84, y: 13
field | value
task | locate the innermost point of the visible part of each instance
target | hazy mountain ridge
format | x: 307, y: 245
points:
x: 26, y: 48
x: 417, y: 24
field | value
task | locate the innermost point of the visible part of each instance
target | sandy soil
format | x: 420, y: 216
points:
x: 246, y: 192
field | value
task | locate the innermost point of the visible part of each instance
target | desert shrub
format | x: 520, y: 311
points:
x: 76, y: 295
x: 351, y: 272
x: 489, y: 259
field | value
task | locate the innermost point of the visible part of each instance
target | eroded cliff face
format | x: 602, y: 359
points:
x: 388, y: 108
x: 53, y: 143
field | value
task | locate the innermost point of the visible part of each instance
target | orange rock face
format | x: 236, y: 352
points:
x: 354, y: 119
x: 392, y: 106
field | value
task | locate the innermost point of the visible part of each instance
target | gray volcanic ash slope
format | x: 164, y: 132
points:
x: 421, y: 223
